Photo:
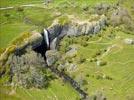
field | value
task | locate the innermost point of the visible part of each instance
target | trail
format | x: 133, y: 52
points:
x: 122, y: 63
x: 25, y: 5
x: 109, y: 49
x: 95, y: 41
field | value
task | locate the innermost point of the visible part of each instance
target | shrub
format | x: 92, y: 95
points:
x: 91, y: 60
x: 98, y: 53
x: 84, y: 82
x: 6, y: 54
x: 81, y: 60
x: 7, y: 15
x: 105, y: 50
x: 87, y: 75
x: 1, y: 50
x: 64, y: 47
x: 94, y: 56
x: 98, y: 96
x: 20, y: 9
x: 85, y: 7
x: 84, y: 44
x: 99, y: 77
x: 95, y: 59
x: 108, y: 78
x: 69, y: 59
x: 85, y: 38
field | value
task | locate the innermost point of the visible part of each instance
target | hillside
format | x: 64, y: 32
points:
x: 67, y: 50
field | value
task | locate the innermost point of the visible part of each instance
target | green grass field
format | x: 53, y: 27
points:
x: 56, y: 91
x: 7, y: 34
x: 120, y: 66
x: 6, y: 3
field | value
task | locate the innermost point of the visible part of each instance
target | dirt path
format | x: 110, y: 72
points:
x: 26, y: 5
x: 123, y: 63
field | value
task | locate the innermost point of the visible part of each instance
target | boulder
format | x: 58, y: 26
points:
x: 101, y: 63
x: 120, y: 16
x: 72, y: 52
x: 129, y: 41
x: 72, y: 67
x: 35, y: 40
x: 52, y: 56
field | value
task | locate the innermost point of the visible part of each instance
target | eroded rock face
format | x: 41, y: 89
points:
x: 75, y: 29
x: 35, y: 39
x: 56, y: 32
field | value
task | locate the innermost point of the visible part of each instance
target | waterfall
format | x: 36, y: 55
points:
x: 46, y: 37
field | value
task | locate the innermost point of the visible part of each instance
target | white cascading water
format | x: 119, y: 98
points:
x: 46, y: 37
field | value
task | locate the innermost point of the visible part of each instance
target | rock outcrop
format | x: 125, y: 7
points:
x: 57, y: 32
x: 75, y: 28
x: 35, y: 40
x: 129, y: 41
x: 72, y: 52
x: 52, y: 56
x: 120, y: 16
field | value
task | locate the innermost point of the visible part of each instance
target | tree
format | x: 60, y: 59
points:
x: 7, y: 15
x: 20, y: 10
x: 29, y: 70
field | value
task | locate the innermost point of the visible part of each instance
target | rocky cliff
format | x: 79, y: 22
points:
x: 74, y: 28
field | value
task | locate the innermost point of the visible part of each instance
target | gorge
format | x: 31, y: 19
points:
x: 50, y: 38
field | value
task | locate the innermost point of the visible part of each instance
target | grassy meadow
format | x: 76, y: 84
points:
x: 57, y: 90
x: 119, y: 64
